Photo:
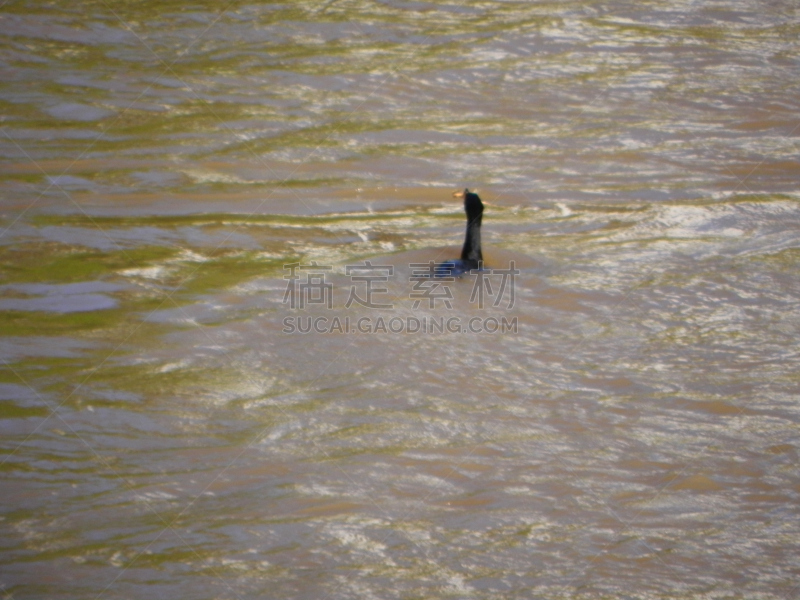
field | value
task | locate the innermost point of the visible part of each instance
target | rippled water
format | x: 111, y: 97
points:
x: 168, y: 431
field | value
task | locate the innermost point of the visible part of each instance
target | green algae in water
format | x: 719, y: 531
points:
x: 226, y: 272
x: 11, y: 410
x: 60, y: 263
x: 22, y: 323
x: 212, y: 219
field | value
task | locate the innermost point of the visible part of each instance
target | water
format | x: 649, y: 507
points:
x: 633, y: 435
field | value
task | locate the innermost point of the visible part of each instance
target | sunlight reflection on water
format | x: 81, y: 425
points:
x: 636, y: 434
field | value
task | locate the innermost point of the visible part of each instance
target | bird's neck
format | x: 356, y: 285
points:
x: 472, y: 242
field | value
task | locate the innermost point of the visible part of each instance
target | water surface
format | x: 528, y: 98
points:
x: 634, y: 436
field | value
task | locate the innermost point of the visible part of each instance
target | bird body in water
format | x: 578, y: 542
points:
x: 471, y: 255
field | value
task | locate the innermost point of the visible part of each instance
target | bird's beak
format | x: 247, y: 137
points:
x: 459, y: 194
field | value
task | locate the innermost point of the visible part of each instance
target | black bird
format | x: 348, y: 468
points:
x: 471, y: 256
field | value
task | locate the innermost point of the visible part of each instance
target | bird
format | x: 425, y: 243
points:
x: 471, y: 255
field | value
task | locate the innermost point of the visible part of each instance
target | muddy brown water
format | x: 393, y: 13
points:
x: 180, y: 418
